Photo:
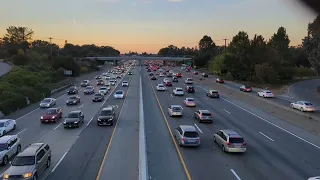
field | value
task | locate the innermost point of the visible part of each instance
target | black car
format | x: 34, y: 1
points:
x: 74, y: 119
x: 204, y: 75
x: 175, y: 79
x: 98, y: 77
x: 129, y: 73
x: 190, y: 89
x: 151, y: 74
x: 73, y: 100
x: 107, y: 116
x: 98, y: 97
x: 72, y: 90
x: 153, y: 78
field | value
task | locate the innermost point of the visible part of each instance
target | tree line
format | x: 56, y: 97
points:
x: 248, y: 59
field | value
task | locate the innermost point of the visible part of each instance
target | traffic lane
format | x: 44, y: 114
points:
x: 84, y: 158
x: 256, y: 161
x: 201, y: 162
x: 4, y: 68
x: 123, y: 153
x: 163, y: 159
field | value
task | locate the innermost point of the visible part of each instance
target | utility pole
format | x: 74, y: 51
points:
x: 50, y: 48
x: 225, y: 45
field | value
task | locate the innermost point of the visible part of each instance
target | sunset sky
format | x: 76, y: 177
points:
x: 148, y: 25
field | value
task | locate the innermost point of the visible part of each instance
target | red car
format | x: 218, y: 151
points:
x: 168, y: 83
x: 219, y: 80
x: 195, y: 73
x: 179, y: 75
x: 51, y: 115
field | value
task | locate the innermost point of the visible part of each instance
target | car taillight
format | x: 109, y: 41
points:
x: 244, y: 143
x: 229, y: 144
x: 198, y: 140
x: 183, y: 139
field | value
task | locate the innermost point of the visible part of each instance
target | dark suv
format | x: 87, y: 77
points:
x: 190, y: 89
x: 107, y: 116
x: 30, y: 163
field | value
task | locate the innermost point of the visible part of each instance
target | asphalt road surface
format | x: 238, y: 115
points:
x: 4, y: 68
x: 273, y: 151
x: 306, y: 90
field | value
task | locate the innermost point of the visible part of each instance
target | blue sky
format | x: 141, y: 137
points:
x: 147, y: 25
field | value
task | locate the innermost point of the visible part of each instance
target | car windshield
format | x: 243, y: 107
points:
x: 119, y: 92
x: 84, y: 81
x: 176, y: 109
x: 46, y: 100
x: 23, y: 161
x: 189, y: 79
x: 51, y: 111
x: 103, y: 88
x: 112, y: 81
x: 73, y: 115
x: 97, y: 95
x: 246, y: 87
x: 124, y: 82
x: 308, y: 104
x: 72, y: 88
x: 3, y: 147
x: 89, y: 87
x: 190, y: 100
x: 73, y: 97
x: 190, y: 87
x: 236, y: 140
x: 160, y: 85
x: 191, y: 134
x: 2, y: 124
x: 106, y: 113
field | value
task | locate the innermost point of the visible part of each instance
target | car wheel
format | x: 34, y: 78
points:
x: 301, y: 109
x: 48, y: 162
x: 5, y: 160
x: 4, y: 133
x: 14, y: 126
x: 214, y: 139
x: 35, y: 177
x: 291, y: 105
x: 18, y: 149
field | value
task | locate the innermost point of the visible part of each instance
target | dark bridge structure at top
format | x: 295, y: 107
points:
x: 139, y: 58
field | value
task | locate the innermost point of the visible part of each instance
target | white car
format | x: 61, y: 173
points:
x: 125, y: 84
x: 112, y: 82
x: 161, y: 75
x: 303, y: 106
x: 189, y: 102
x: 108, y: 77
x: 189, y: 81
x: 47, y: 102
x: 175, y: 110
x: 314, y: 178
x: 119, y: 94
x: 265, y: 94
x: 178, y: 92
x: 161, y: 87
x: 103, y: 90
x: 7, y: 125
x: 165, y: 80
x: 107, y: 85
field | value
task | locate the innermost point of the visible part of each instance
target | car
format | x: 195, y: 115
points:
x: 30, y: 163
x: 205, y: 75
x: 51, y: 115
x: 175, y: 110
x: 178, y: 91
x: 98, y: 97
x: 161, y: 75
x: 10, y: 145
x: 125, y: 84
x: 74, y: 119
x: 129, y: 73
x: 100, y: 82
x: 7, y: 125
x: 108, y: 77
x: 103, y: 90
x: 47, y: 103
x: 178, y: 75
x: 245, y: 88
x: 189, y: 102
x: 195, y: 73
x: 89, y: 90
x: 187, y: 135
x: 265, y: 94
x: 112, y: 82
x: 230, y: 141
x: 85, y: 83
x: 165, y: 80
x: 213, y: 94
x: 203, y: 116
x: 169, y: 75
x: 149, y: 70
x: 114, y: 79
x: 119, y: 94
x: 190, y: 89
x: 189, y: 81
x: 107, y: 116
x: 168, y: 83
x: 151, y: 74
x: 118, y: 76
x: 175, y: 79
x: 303, y: 106
x: 98, y: 77
x: 314, y: 178
x: 161, y: 87
x: 73, y: 100
x: 107, y: 85
x: 153, y: 78
x: 187, y: 70
x: 219, y: 80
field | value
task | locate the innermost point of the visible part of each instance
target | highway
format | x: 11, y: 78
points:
x: 271, y: 147
x: 4, y: 68
x: 306, y: 90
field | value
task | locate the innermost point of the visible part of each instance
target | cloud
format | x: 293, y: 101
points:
x: 175, y: 0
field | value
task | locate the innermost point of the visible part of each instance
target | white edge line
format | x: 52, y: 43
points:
x: 171, y: 95
x: 60, y: 160
x: 235, y: 174
x: 143, y: 168
x: 21, y: 131
x: 206, y: 98
x: 80, y: 106
x: 198, y: 128
x: 266, y: 136
x: 227, y: 111
x: 57, y: 127
x: 181, y: 107
x: 89, y: 122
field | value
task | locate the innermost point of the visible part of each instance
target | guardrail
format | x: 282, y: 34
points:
x: 61, y: 88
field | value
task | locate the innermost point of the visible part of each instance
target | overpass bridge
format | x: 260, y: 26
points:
x: 139, y: 58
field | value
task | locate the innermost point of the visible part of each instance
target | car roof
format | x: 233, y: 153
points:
x: 5, y: 138
x: 107, y: 108
x: 72, y: 96
x: 31, y: 150
x: 74, y: 112
x: 89, y: 87
x: 119, y: 91
x: 48, y: 98
x: 188, y: 128
x: 305, y: 102
x: 175, y: 106
x: 231, y: 133
x: 73, y: 87
x: 189, y: 98
x: 213, y: 90
x: 178, y: 88
x: 49, y: 109
x: 5, y: 120
x: 266, y: 91
x: 160, y: 85
x: 204, y: 111
x: 124, y: 81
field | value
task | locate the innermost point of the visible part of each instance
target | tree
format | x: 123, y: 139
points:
x: 17, y: 38
x: 258, y: 49
x: 44, y: 47
x: 265, y: 72
x: 206, y: 44
x: 217, y: 66
x: 311, y: 44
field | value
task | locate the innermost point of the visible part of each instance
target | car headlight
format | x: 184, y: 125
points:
x: 6, y: 176
x: 64, y: 122
x: 76, y: 122
x: 110, y: 119
x: 41, y: 117
x: 74, y: 101
x: 27, y: 175
x: 99, y: 119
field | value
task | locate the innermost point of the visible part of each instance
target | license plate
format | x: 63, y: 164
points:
x: 191, y: 140
x: 237, y: 146
x: 46, y: 120
x: 69, y: 125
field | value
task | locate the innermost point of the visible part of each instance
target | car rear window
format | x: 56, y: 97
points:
x: 236, y: 140
x: 206, y: 114
x: 191, y: 100
x: 179, y: 90
x: 308, y: 104
x: 191, y: 134
x: 176, y: 109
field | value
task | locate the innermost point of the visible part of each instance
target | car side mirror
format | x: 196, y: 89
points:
x: 8, y: 148
x: 38, y: 162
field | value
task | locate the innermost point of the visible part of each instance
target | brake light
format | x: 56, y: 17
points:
x: 183, y: 139
x: 211, y: 114
x: 198, y: 140
x: 229, y: 144
x: 244, y: 143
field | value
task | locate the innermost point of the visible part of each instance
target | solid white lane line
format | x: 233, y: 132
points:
x: 57, y: 126
x: 206, y: 98
x: 171, y: 95
x: 266, y: 136
x: 273, y: 124
x: 227, y: 111
x: 21, y: 131
x: 198, y: 128
x: 235, y: 174
x: 80, y: 105
x: 28, y: 113
x: 89, y: 121
x: 60, y: 160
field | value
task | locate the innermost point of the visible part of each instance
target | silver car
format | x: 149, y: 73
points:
x: 30, y: 163
x: 175, y: 110
x: 103, y: 90
x: 112, y: 82
x: 119, y: 94
x: 7, y: 125
x: 187, y: 135
x: 47, y: 103
x: 89, y: 90
x: 230, y: 141
x: 10, y: 146
x: 303, y: 106
x: 203, y: 116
